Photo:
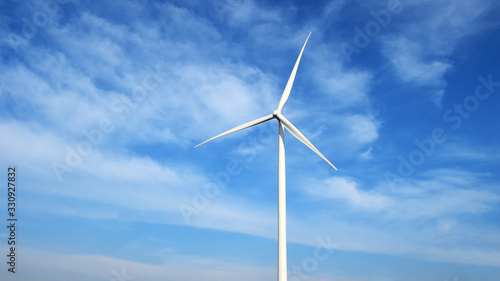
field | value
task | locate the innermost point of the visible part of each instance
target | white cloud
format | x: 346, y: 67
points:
x: 445, y: 203
x: 42, y: 102
x: 411, y: 65
x: 61, y: 266
x: 426, y: 222
x: 441, y: 193
x: 136, y: 184
x: 107, y: 61
x: 490, y: 257
x: 413, y: 238
x: 223, y: 96
x: 444, y: 23
x: 57, y: 266
x: 346, y: 88
x: 361, y: 129
x: 236, y: 214
x: 420, y: 55
x: 345, y: 189
x: 409, y: 60
x: 445, y: 226
x: 367, y: 155
x: 241, y: 12
x: 461, y: 150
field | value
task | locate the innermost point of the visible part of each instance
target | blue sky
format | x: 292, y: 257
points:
x: 101, y: 105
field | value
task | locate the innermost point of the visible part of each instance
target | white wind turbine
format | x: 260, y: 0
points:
x: 283, y: 122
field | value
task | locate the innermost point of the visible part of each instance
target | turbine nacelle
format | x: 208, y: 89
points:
x: 277, y: 114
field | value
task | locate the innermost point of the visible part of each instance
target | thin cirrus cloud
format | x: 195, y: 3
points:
x: 422, y: 55
x: 346, y: 190
x: 108, y: 268
x: 435, y: 204
x: 361, y: 128
x: 443, y: 193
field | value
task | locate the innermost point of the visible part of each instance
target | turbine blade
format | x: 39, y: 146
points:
x: 289, y: 84
x: 241, y: 127
x: 296, y: 133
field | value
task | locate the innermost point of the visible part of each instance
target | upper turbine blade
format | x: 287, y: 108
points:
x: 294, y: 131
x: 289, y: 84
x: 241, y: 127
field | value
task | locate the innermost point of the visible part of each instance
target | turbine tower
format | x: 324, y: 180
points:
x: 283, y: 123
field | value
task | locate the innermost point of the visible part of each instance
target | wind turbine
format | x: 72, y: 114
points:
x: 283, y: 122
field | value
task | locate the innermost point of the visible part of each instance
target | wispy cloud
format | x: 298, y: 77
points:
x: 345, y: 190
x: 421, y: 54
x: 107, y: 268
x: 434, y: 204
x: 362, y: 129
x: 411, y: 64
